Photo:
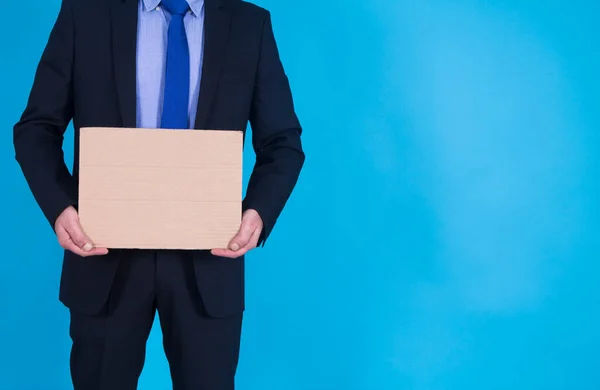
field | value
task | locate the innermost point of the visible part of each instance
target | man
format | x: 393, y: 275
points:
x: 201, y: 64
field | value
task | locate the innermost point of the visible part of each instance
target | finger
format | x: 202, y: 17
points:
x: 67, y: 243
x: 254, y: 239
x: 71, y: 246
x: 78, y: 236
x: 98, y: 252
x: 62, y: 236
x: 229, y: 253
x: 252, y: 243
x: 243, y: 237
x: 235, y: 254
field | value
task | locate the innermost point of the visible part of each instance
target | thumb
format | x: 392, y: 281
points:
x: 242, y: 238
x: 73, y: 227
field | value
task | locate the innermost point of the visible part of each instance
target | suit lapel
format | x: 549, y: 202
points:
x: 124, y: 16
x: 217, y: 20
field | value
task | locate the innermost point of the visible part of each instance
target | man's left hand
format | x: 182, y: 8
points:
x: 247, y: 237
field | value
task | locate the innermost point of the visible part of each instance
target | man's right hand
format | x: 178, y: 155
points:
x: 71, y: 236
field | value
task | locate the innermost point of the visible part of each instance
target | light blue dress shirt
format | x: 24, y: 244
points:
x: 153, y: 24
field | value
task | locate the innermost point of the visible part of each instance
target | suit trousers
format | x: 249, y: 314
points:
x: 109, y: 348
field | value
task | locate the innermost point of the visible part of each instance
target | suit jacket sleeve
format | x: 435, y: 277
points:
x: 275, y: 137
x: 38, y: 136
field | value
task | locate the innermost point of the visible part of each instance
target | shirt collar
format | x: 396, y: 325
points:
x: 195, y: 5
x: 150, y: 5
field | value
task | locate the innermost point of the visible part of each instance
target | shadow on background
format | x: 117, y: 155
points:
x: 444, y: 234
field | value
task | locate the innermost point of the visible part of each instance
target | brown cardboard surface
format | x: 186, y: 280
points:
x: 160, y: 189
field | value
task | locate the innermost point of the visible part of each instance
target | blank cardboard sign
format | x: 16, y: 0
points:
x: 160, y: 189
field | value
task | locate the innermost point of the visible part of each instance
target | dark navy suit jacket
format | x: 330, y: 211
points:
x: 88, y: 74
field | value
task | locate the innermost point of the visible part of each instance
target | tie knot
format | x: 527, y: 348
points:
x: 176, y: 7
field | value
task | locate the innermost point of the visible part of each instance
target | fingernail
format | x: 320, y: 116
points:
x: 87, y: 247
x: 235, y: 247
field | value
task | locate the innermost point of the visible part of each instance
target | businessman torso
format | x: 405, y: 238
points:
x: 105, y: 50
x: 88, y: 73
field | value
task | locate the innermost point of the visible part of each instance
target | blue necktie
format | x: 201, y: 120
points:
x: 177, y: 74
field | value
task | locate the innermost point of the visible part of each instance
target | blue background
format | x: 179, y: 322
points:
x: 445, y: 231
